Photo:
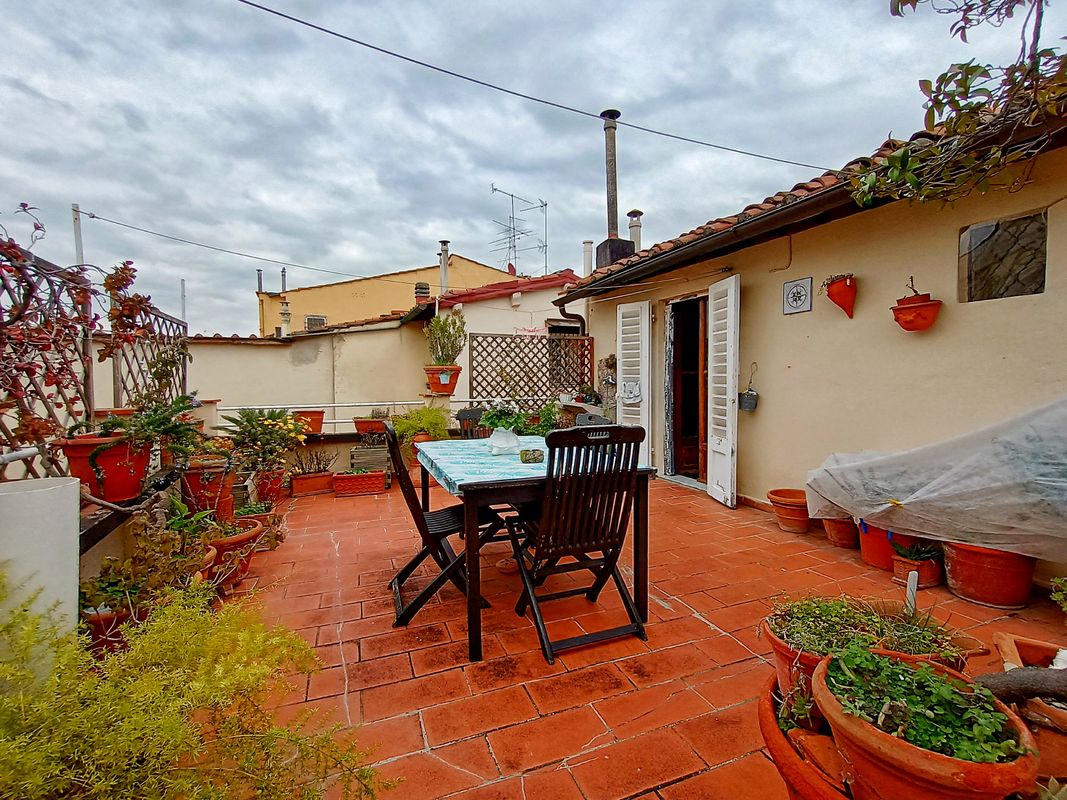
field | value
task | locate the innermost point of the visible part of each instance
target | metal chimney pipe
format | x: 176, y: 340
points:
x: 587, y: 257
x: 609, y: 116
x: 283, y: 279
x: 259, y: 280
x: 444, y: 266
x: 635, y: 227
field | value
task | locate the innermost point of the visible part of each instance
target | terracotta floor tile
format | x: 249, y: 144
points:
x: 550, y: 785
x: 732, y: 618
x: 446, y: 656
x: 360, y: 675
x: 678, y: 631
x: 403, y: 641
x: 578, y: 688
x: 737, y: 683
x: 426, y: 777
x: 548, y: 739
x: 391, y: 737
x: 724, y: 649
x: 636, y: 765
x: 648, y: 709
x: 753, y: 777
x: 381, y: 702
x: 472, y: 755
x: 724, y: 735
x: 665, y: 665
x: 449, y: 722
x: 485, y: 676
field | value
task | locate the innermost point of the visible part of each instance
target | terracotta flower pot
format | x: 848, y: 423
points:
x: 413, y: 454
x: 229, y: 569
x: 443, y: 380
x: 803, y: 780
x: 207, y: 485
x: 312, y: 419
x: 885, y: 767
x: 352, y: 485
x: 123, y: 467
x: 989, y: 577
x: 105, y: 629
x: 312, y: 483
x: 790, y: 509
x: 842, y: 533
x: 929, y: 571
x: 1047, y: 722
x: 269, y: 485
x: 842, y: 292
x: 204, y: 573
x: 790, y: 665
x: 875, y: 547
x: 916, y: 313
x: 365, y: 425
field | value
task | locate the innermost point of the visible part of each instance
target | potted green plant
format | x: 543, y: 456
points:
x: 263, y: 440
x: 922, y: 557
x: 358, y: 481
x: 423, y: 424
x: 234, y: 542
x: 802, y: 632
x: 373, y: 424
x: 446, y: 335
x: 922, y: 731
x: 310, y: 473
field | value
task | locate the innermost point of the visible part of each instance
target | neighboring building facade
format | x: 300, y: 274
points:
x: 314, y: 307
x: 376, y: 361
x: 691, y: 320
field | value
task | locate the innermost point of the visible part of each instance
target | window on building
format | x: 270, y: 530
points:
x: 314, y: 322
x: 1004, y: 258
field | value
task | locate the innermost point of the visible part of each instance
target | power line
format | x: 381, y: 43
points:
x: 521, y: 95
x: 293, y: 264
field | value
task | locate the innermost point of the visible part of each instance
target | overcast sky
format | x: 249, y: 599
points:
x: 217, y: 122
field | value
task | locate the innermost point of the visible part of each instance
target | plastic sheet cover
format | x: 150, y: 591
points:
x: 1003, y: 487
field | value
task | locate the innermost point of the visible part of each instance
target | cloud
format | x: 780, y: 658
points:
x: 222, y: 124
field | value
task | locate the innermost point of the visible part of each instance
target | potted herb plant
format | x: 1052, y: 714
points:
x: 446, y: 335
x: 922, y: 557
x: 916, y: 312
x: 802, y: 632
x: 919, y: 730
x: 311, y: 474
x: 234, y: 543
x: 375, y: 423
x: 358, y: 481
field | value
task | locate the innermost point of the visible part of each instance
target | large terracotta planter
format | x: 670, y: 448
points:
x: 803, y: 780
x: 204, y: 573
x: 885, y: 767
x: 916, y: 313
x: 352, y: 485
x: 875, y: 547
x: 790, y: 509
x: 269, y: 485
x: 793, y: 665
x: 123, y: 467
x: 842, y: 293
x: 842, y: 533
x: 230, y: 569
x: 365, y: 425
x: 1047, y: 722
x: 311, y: 419
x: 929, y: 571
x: 312, y: 483
x: 207, y: 485
x: 443, y: 380
x: 989, y: 577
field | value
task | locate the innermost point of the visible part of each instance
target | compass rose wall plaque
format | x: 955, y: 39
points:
x: 796, y: 296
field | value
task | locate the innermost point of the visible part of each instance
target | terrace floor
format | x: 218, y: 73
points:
x: 673, y: 717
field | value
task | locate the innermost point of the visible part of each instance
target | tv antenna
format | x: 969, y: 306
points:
x: 513, y: 236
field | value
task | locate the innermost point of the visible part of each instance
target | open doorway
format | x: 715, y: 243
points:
x: 687, y: 389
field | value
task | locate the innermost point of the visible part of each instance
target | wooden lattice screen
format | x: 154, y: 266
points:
x: 528, y: 369
x: 155, y: 363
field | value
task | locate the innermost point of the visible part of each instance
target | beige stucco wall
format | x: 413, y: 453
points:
x: 828, y: 383
x: 348, y: 301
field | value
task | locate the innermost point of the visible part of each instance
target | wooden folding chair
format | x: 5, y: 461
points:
x: 470, y: 427
x: 589, y: 493
x: 434, y: 529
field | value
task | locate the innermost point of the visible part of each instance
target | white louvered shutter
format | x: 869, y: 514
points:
x: 632, y: 351
x: 723, y: 336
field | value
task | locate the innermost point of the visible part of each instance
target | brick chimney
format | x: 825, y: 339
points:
x: 422, y: 292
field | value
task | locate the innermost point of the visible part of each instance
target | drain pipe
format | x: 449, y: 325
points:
x: 563, y: 312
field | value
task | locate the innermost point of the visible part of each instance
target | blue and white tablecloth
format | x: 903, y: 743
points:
x: 458, y: 461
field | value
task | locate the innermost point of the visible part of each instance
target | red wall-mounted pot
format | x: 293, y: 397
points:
x: 916, y: 313
x: 843, y: 293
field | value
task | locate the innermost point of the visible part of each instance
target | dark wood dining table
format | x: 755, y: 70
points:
x: 466, y: 469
